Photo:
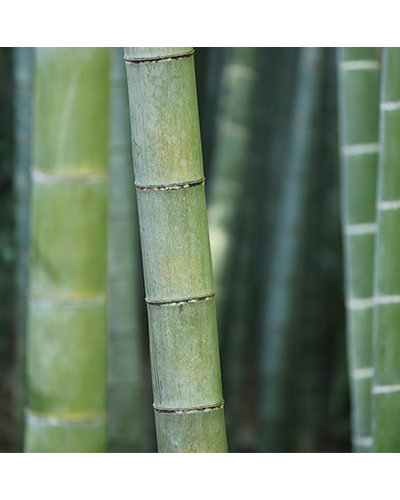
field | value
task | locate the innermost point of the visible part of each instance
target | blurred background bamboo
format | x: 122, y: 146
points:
x: 268, y: 121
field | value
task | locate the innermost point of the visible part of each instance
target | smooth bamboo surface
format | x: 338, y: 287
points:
x: 66, y: 355
x: 386, y: 333
x: 176, y: 253
x: 358, y: 89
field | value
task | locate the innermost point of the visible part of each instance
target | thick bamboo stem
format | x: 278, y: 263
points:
x: 386, y: 339
x: 125, y: 315
x: 358, y: 89
x: 66, y: 364
x: 176, y: 253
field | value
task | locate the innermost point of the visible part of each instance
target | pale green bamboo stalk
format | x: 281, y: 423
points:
x: 281, y: 300
x: 229, y: 166
x: 125, y: 315
x: 386, y: 331
x: 176, y: 253
x: 66, y: 355
x: 358, y: 90
x: 23, y: 89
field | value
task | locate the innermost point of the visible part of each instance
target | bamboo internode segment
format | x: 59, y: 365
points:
x: 358, y: 84
x: 386, y: 339
x: 66, y: 360
x: 175, y: 251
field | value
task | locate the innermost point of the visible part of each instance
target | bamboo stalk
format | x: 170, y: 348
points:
x: 358, y: 82
x: 23, y: 89
x: 176, y: 254
x: 66, y: 363
x: 212, y: 82
x: 7, y: 252
x: 229, y: 164
x: 240, y: 322
x: 386, y: 342
x: 125, y: 315
x: 328, y: 378
x: 280, y: 305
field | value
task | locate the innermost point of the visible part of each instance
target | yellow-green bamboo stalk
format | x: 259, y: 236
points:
x: 386, y: 333
x: 125, y: 307
x: 66, y: 360
x: 358, y: 89
x: 175, y: 250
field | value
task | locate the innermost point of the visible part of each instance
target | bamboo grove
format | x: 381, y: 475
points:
x: 199, y: 249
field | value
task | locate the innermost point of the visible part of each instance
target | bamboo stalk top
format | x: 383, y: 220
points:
x: 154, y: 53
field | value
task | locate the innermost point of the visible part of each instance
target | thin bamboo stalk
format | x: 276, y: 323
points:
x: 229, y: 164
x: 125, y: 314
x: 175, y: 250
x: 23, y: 90
x: 66, y: 354
x: 280, y: 305
x: 358, y: 89
x: 7, y: 252
x: 310, y: 363
x: 336, y: 401
x: 211, y: 95
x: 240, y: 323
x: 386, y: 342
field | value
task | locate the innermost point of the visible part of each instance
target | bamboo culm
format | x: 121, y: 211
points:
x: 67, y: 327
x: 386, y: 341
x: 358, y: 90
x: 229, y: 166
x: 125, y: 315
x: 176, y: 253
x: 23, y: 99
x: 240, y: 324
x: 281, y: 299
